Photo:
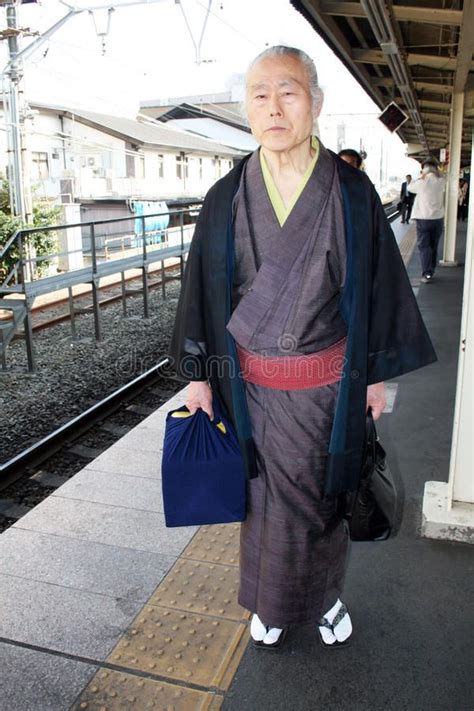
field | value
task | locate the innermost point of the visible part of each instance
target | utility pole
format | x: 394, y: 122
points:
x: 15, y: 126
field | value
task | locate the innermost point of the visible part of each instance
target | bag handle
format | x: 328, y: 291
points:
x: 371, y: 437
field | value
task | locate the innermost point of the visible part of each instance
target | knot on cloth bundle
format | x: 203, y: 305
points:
x: 203, y: 474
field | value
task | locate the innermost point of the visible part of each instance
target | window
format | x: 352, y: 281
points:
x: 161, y: 165
x: 134, y: 161
x: 200, y: 168
x: 129, y: 164
x: 40, y: 169
x: 186, y: 167
x: 140, y: 165
x: 217, y: 163
x: 179, y: 167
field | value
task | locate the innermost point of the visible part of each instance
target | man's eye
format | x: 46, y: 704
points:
x: 260, y: 96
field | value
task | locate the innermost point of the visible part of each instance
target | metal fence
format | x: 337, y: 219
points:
x: 112, y: 246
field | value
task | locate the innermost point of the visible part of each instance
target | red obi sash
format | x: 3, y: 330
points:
x: 297, y: 372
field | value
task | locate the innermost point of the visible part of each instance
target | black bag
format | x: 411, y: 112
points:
x: 371, y: 510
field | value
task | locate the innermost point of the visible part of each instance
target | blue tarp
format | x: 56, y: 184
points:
x: 155, y: 227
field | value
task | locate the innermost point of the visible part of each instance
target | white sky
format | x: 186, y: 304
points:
x: 149, y: 54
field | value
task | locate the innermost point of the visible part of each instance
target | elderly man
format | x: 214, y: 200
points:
x: 294, y: 308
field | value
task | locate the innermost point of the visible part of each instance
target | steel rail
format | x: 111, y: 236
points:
x: 15, y: 467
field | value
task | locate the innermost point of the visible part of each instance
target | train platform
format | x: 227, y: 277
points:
x: 103, y: 608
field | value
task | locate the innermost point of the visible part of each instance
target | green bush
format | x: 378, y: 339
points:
x: 44, y: 243
x: 8, y: 226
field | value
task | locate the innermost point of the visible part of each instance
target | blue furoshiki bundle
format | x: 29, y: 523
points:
x: 203, y: 475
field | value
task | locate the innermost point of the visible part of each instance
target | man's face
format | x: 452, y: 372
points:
x: 279, y: 103
x: 408, y: 177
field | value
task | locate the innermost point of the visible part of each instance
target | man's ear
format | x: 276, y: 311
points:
x: 318, y: 101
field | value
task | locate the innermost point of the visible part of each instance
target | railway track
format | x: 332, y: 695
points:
x: 32, y: 474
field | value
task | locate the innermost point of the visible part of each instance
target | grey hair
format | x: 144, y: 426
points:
x: 431, y: 163
x: 281, y: 50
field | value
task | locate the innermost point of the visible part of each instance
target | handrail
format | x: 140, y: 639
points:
x: 91, y: 224
x: 20, y: 237
x: 8, y: 244
x: 9, y: 276
x: 51, y: 228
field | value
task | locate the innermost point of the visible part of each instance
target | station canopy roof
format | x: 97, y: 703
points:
x: 416, y: 54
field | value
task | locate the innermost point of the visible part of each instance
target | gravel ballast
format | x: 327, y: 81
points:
x: 72, y: 375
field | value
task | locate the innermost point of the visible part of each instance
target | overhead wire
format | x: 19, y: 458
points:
x: 234, y: 29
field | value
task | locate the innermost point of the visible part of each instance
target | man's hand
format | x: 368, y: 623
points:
x: 199, y: 396
x: 376, y: 399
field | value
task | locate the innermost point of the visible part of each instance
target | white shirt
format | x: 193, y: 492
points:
x: 429, y: 201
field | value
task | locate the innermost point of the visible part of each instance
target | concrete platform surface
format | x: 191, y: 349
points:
x: 37, y: 681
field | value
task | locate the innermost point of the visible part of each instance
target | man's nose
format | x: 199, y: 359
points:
x: 274, y: 107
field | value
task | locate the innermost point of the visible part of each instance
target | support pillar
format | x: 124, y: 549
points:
x: 452, y: 191
x: 448, y: 509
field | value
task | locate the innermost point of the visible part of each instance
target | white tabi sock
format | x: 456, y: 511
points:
x: 331, y: 614
x: 343, y: 628
x: 257, y: 629
x: 272, y: 635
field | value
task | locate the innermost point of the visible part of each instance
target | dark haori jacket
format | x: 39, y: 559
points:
x: 386, y: 336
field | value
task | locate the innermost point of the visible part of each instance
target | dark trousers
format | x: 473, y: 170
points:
x: 406, y: 209
x: 462, y: 212
x: 428, y: 233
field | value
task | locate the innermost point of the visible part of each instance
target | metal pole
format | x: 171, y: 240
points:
x: 455, y: 139
x: 461, y: 484
x: 27, y: 322
x: 28, y: 327
x: 144, y: 269
x: 95, y: 285
x: 124, y: 295
x: 72, y: 312
x: 181, y: 256
x: 14, y: 76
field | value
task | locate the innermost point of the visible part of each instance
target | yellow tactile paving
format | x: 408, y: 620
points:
x: 179, y: 645
x: 203, y: 588
x: 407, y: 245
x: 186, y: 643
x: 216, y: 544
x: 116, y: 691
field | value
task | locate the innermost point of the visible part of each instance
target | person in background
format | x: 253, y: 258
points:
x: 463, y: 199
x: 406, y: 198
x: 428, y: 211
x: 351, y: 156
